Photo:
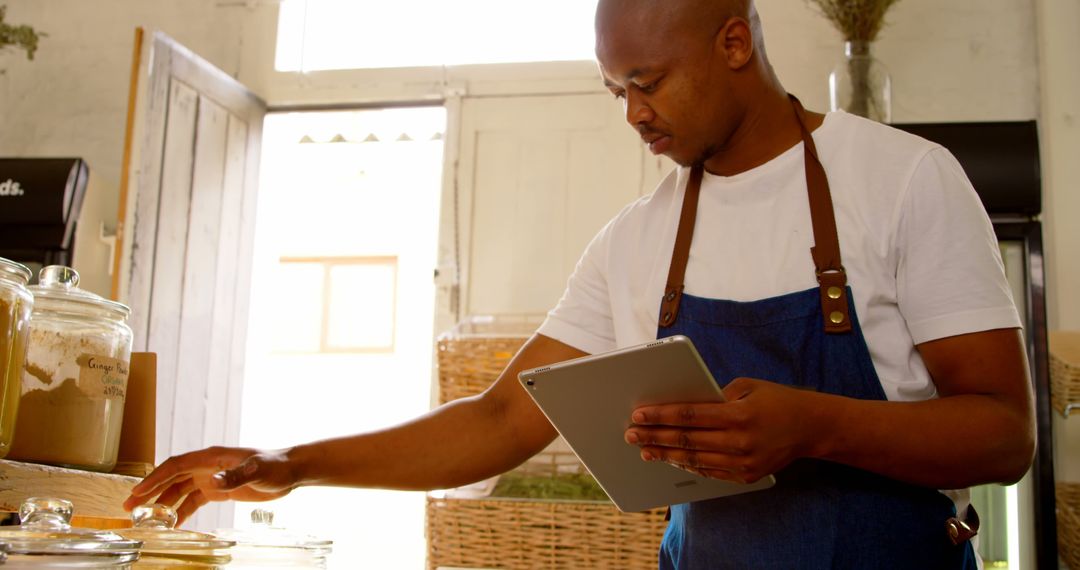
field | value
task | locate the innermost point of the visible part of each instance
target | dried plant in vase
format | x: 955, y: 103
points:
x: 859, y: 84
x: 20, y: 37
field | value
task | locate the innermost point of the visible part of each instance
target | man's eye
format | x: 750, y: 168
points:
x: 649, y: 87
x: 619, y: 94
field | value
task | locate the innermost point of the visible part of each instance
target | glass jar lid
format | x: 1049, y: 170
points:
x: 46, y: 530
x: 263, y: 534
x: 15, y: 271
x: 155, y: 527
x: 60, y: 283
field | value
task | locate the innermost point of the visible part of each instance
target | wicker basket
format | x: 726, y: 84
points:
x: 1065, y: 371
x: 1068, y: 523
x: 472, y: 356
x: 526, y: 534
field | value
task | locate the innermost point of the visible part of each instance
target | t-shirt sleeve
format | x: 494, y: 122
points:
x: 583, y: 316
x: 950, y: 277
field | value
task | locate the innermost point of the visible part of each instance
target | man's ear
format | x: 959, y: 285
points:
x: 735, y: 41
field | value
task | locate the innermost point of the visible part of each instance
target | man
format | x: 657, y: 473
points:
x: 845, y: 287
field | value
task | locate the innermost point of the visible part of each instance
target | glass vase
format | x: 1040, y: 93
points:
x: 860, y: 84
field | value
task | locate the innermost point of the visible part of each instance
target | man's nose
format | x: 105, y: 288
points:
x: 637, y: 110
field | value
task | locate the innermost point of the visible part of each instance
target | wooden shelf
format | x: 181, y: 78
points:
x: 97, y: 497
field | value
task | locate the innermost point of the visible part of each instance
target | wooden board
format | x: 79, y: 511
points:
x: 94, y: 495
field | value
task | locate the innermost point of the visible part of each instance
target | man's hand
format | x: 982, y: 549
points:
x: 979, y: 429
x: 215, y: 474
x: 760, y: 429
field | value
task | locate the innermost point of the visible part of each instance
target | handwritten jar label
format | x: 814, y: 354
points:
x: 101, y: 377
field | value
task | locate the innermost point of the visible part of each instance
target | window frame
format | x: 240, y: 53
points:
x: 328, y: 263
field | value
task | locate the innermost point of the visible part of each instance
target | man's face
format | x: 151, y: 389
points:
x: 665, y: 79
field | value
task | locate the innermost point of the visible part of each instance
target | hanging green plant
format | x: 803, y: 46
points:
x: 18, y: 37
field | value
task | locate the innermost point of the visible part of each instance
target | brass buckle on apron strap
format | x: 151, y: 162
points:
x: 961, y: 531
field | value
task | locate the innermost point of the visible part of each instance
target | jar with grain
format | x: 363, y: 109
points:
x: 75, y: 376
x: 15, y: 305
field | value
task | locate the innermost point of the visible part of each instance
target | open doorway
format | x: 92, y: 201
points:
x: 341, y: 329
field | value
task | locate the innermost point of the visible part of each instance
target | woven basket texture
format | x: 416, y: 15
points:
x: 518, y: 534
x: 1064, y: 370
x: 1068, y: 523
x: 526, y: 534
x: 477, y: 350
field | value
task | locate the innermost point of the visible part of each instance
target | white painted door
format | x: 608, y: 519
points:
x: 186, y: 254
x: 537, y: 178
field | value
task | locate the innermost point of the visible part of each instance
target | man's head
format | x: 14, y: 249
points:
x: 685, y: 69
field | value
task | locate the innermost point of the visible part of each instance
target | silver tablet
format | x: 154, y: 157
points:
x: 589, y: 401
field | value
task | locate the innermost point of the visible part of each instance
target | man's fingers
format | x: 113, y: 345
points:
x: 709, y: 464
x: 172, y: 495
x: 690, y: 438
x: 141, y: 496
x: 191, y: 504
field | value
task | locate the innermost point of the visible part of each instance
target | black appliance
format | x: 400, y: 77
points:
x: 1002, y: 161
x: 40, y: 201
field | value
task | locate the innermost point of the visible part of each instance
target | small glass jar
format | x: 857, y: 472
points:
x: 16, y: 303
x: 46, y: 539
x: 264, y: 545
x: 75, y: 376
x: 165, y: 547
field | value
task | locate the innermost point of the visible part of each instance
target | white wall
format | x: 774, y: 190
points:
x: 950, y: 61
x: 72, y: 99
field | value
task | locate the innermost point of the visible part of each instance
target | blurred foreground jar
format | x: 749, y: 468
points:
x: 15, y: 305
x: 165, y: 547
x: 46, y: 539
x: 264, y: 545
x: 75, y: 376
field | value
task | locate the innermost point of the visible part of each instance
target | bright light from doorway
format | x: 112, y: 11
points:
x: 342, y: 314
x: 355, y: 34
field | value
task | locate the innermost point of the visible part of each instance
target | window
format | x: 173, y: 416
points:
x: 354, y: 34
x: 336, y: 305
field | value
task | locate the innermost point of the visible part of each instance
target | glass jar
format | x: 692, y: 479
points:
x: 860, y: 84
x: 267, y: 546
x: 75, y: 376
x: 16, y: 303
x: 164, y: 546
x: 46, y: 539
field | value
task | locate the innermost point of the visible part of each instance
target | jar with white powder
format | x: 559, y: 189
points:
x: 75, y: 376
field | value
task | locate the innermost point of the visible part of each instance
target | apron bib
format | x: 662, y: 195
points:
x: 820, y: 514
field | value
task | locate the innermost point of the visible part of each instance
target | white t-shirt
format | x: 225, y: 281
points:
x: 920, y: 252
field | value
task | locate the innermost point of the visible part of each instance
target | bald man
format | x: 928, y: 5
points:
x: 839, y: 277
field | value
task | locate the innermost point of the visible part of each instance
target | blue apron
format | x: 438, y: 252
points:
x: 820, y: 514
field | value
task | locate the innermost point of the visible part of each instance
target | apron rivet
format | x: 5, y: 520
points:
x: 836, y: 317
x: 834, y: 292
x: 667, y: 317
x: 670, y: 296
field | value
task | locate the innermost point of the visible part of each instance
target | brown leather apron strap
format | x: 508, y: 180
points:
x: 669, y: 306
x: 831, y: 277
x: 826, y: 251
